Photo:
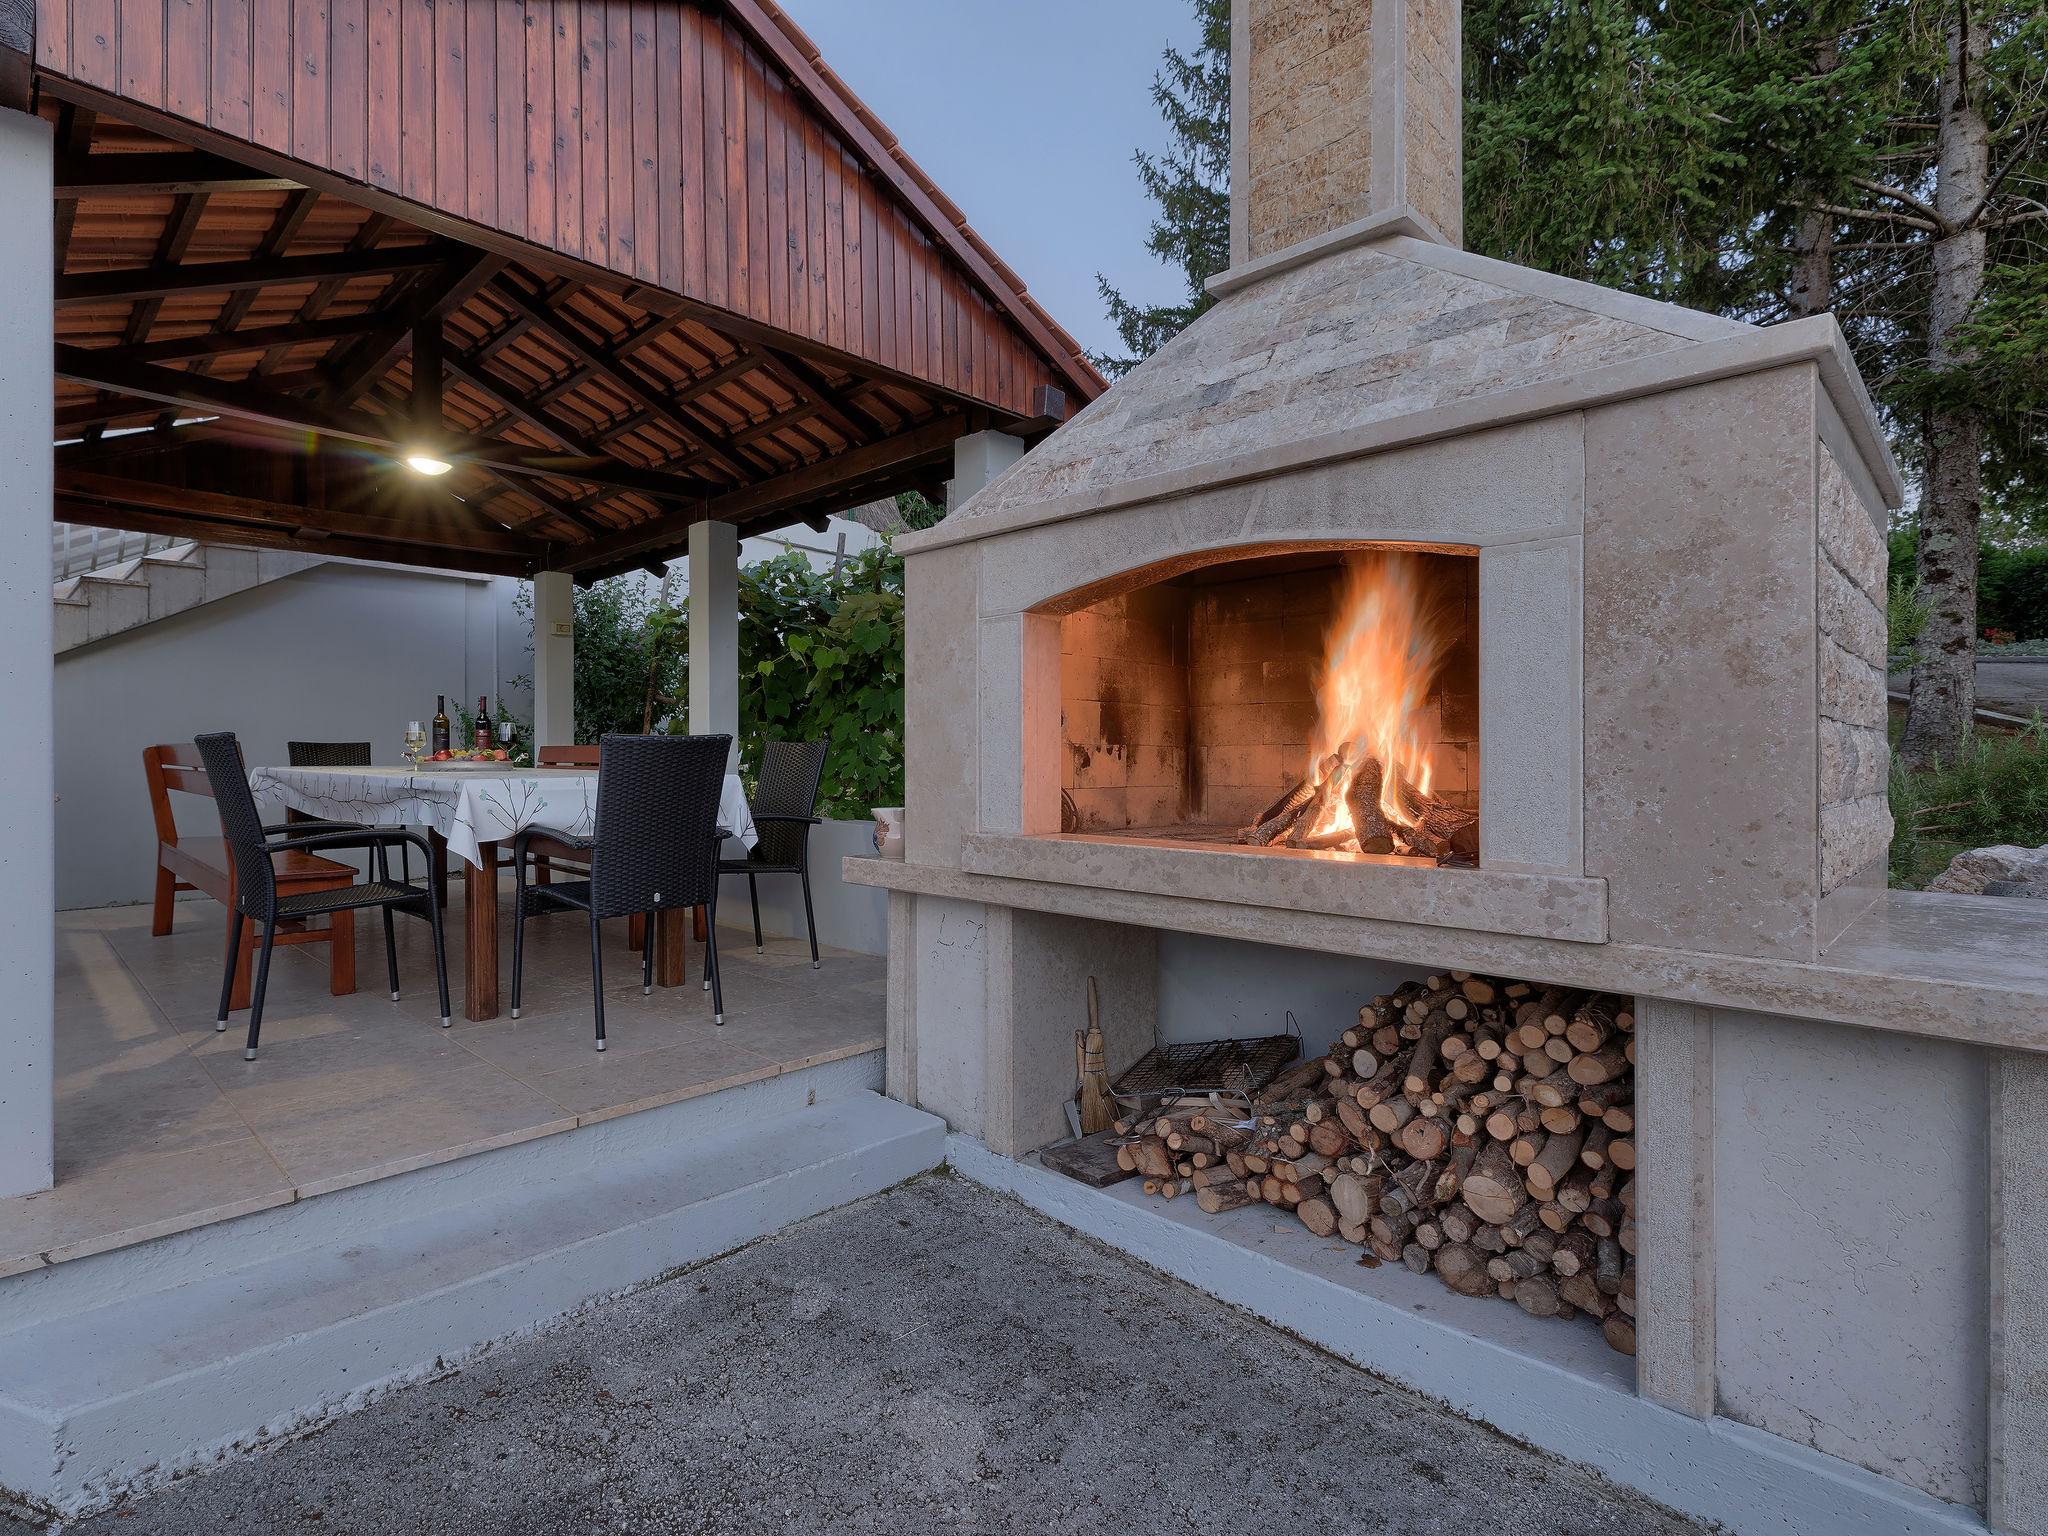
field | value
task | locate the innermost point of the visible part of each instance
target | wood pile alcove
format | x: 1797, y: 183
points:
x: 1477, y: 1128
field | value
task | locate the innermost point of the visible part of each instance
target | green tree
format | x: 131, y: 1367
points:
x: 1190, y: 187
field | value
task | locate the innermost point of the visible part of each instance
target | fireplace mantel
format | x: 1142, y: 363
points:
x: 1564, y: 907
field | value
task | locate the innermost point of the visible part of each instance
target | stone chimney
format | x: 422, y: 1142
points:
x: 1343, y: 110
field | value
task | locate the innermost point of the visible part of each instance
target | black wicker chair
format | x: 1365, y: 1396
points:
x: 334, y: 754
x: 784, y: 806
x: 654, y: 848
x: 256, y: 886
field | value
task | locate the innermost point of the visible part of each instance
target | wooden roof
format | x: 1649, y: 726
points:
x: 696, y: 279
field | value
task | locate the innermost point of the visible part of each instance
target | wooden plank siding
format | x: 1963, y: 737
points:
x: 654, y: 139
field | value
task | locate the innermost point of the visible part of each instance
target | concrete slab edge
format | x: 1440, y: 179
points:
x: 77, y: 1463
x: 1754, y: 1483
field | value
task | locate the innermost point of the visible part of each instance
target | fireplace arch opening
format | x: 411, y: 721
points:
x: 1320, y: 701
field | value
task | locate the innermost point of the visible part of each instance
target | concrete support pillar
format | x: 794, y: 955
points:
x: 715, y: 631
x: 28, y: 820
x: 2016, y: 1481
x: 1675, y: 1338
x: 554, y: 660
x: 977, y: 459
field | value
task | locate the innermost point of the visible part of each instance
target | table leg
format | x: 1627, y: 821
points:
x: 671, y: 955
x: 480, y: 927
x: 341, y: 954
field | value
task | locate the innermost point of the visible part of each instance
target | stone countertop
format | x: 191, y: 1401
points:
x: 1968, y: 968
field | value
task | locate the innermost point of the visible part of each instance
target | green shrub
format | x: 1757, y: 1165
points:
x: 1905, y: 615
x: 821, y: 658
x: 1995, y: 792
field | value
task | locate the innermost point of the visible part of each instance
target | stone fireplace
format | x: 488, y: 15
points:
x: 1655, y: 541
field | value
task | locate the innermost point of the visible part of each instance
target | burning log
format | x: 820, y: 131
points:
x: 1368, y: 821
x: 1471, y: 1151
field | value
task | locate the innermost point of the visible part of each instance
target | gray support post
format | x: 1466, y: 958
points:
x: 2016, y: 1474
x: 1674, y: 1205
x: 554, y: 660
x: 715, y: 631
x: 28, y: 842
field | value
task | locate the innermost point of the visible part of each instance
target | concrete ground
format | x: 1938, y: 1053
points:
x: 936, y: 1358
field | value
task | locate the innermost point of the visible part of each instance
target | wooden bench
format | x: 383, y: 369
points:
x: 204, y: 864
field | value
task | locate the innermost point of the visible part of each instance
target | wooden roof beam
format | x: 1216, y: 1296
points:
x: 454, y: 286
x: 104, y: 368
x: 158, y: 174
x: 367, y: 234
x: 292, y: 333
x: 793, y: 489
x: 219, y: 506
x: 281, y: 535
x: 264, y: 272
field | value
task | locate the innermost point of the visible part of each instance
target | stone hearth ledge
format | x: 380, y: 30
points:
x: 1971, y: 968
x: 1566, y: 907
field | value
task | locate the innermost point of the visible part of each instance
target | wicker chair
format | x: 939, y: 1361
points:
x: 334, y: 754
x: 256, y: 896
x: 784, y: 806
x: 654, y: 848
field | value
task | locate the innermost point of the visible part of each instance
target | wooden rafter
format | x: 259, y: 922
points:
x: 292, y: 333
x: 157, y: 175
x: 104, y: 368
x: 220, y: 506
x: 777, y: 494
x: 605, y: 362
x: 366, y: 238
x: 455, y: 285
x: 291, y: 218
x: 226, y: 276
x: 179, y: 229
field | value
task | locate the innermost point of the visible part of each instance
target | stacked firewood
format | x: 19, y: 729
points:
x: 1340, y: 806
x: 1474, y: 1127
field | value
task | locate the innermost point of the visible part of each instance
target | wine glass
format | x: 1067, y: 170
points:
x: 415, y: 739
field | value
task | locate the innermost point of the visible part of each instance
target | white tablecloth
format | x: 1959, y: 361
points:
x: 468, y: 808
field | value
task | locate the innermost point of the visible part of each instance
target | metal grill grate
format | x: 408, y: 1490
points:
x: 1208, y: 1066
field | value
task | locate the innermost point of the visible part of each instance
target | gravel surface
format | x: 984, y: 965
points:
x: 937, y: 1358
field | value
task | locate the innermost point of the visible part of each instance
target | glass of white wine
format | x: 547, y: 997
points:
x: 415, y: 739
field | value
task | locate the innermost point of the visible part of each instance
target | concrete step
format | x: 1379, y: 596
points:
x: 157, y: 586
x: 145, y: 1369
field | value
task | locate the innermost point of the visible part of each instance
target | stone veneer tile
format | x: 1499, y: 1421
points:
x: 1855, y: 820
x: 1699, y: 808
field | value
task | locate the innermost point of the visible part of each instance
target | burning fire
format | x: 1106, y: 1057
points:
x: 1378, y: 662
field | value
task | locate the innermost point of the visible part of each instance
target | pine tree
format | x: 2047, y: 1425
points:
x: 1189, y: 185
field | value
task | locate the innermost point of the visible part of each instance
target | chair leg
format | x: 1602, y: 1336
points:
x: 518, y: 935
x: 810, y: 921
x: 647, y: 926
x: 711, y: 965
x: 262, y: 981
x: 597, y: 975
x: 227, y: 982
x: 754, y: 899
x: 391, y: 952
x: 166, y: 901
x: 440, y: 955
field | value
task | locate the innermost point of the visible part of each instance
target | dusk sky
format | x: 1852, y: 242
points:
x: 1026, y: 115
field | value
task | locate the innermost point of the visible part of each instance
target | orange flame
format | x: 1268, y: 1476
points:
x: 1379, y: 660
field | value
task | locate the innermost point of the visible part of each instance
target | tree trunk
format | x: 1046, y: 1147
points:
x: 1944, y: 696
x: 1812, y: 289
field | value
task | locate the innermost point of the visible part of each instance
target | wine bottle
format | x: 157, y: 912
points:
x: 483, y: 724
x: 440, y: 741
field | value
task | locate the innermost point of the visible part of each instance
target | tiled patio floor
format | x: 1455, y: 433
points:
x: 162, y: 1126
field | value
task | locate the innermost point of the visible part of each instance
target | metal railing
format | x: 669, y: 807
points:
x: 76, y: 550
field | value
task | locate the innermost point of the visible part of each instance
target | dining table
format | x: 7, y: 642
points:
x: 472, y: 810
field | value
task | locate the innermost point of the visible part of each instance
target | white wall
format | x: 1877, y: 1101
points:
x: 1227, y: 989
x: 340, y: 652
x: 852, y: 917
